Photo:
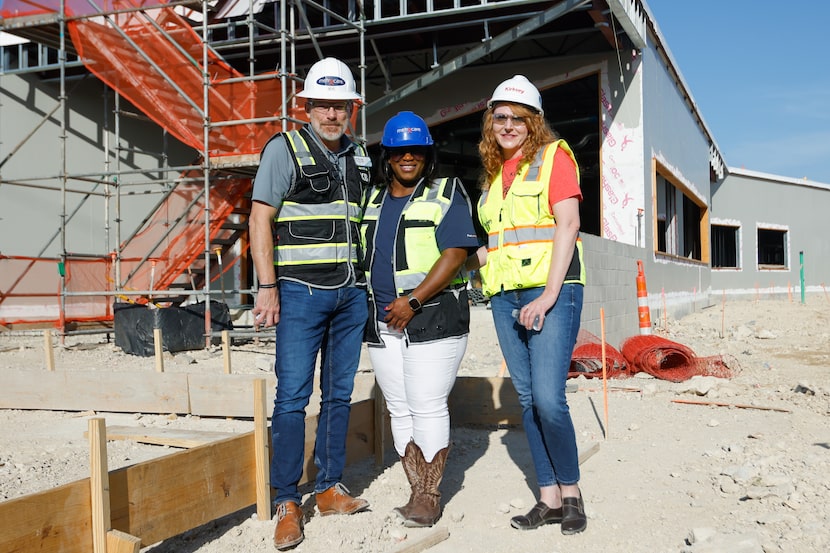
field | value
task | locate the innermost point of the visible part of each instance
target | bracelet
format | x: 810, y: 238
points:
x: 272, y: 285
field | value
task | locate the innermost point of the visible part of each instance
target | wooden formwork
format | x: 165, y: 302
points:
x: 119, y: 511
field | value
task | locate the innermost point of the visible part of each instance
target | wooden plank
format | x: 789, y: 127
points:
x: 99, y: 483
x: 379, y: 422
x: 484, y: 401
x: 50, y: 353
x: 158, y: 348
x: 119, y: 542
x: 262, y: 451
x: 226, y: 395
x: 587, y: 453
x: 434, y: 536
x: 724, y: 404
x: 226, y: 351
x: 53, y: 521
x: 173, y: 437
x: 161, y: 498
x: 360, y: 439
x: 116, y: 392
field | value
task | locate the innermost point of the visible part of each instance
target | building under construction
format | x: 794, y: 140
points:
x: 130, y: 133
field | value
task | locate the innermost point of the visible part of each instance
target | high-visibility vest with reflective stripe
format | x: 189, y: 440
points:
x: 416, y: 248
x: 317, y: 225
x: 520, y: 228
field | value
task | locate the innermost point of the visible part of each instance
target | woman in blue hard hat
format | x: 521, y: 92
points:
x: 534, y: 275
x: 417, y: 232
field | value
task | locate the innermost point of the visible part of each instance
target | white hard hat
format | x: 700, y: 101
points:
x: 519, y: 90
x: 329, y: 79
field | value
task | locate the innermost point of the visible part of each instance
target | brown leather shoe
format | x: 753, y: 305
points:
x: 289, y: 530
x: 337, y: 501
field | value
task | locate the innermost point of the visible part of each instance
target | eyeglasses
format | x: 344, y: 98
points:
x: 501, y: 119
x: 339, y: 107
x: 418, y: 152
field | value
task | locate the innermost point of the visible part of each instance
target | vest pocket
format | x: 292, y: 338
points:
x: 312, y: 231
x: 525, y: 203
x: 318, y: 178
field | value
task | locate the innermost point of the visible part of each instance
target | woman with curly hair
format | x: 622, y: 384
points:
x: 533, y: 272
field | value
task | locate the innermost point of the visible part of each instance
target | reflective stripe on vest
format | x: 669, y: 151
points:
x: 520, y: 228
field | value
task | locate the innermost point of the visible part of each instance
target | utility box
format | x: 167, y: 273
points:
x: 182, y: 328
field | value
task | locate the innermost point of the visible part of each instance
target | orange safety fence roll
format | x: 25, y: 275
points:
x: 669, y: 360
x: 586, y: 359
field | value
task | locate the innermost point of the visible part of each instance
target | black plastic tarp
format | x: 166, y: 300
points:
x: 182, y: 328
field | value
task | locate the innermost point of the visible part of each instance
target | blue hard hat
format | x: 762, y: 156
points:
x: 406, y: 129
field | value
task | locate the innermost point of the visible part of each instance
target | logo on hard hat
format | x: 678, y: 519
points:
x: 404, y: 130
x: 330, y: 81
x: 514, y: 89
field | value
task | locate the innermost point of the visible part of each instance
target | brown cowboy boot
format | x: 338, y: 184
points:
x: 409, y: 462
x: 426, y: 508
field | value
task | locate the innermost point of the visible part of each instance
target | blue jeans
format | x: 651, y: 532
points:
x: 314, y: 320
x: 538, y: 363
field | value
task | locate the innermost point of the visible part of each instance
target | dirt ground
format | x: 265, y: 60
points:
x: 749, y: 476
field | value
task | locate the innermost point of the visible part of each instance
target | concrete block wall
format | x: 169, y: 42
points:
x: 611, y: 269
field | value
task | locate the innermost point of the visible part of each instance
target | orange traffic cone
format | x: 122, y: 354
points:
x: 643, y: 312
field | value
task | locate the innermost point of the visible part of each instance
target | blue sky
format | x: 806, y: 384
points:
x: 760, y: 73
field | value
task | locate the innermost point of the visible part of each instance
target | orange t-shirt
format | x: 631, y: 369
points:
x: 563, y: 180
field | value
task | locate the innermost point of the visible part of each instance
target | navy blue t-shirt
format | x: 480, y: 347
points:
x: 456, y: 230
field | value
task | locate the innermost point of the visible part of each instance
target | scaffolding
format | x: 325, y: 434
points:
x: 150, y: 53
x: 204, y: 73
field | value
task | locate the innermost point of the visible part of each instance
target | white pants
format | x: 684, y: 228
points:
x: 416, y: 380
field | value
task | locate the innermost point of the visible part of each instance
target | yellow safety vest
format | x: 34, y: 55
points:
x: 520, y: 228
x: 317, y: 226
x: 416, y: 232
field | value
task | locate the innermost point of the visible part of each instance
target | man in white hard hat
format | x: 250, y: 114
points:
x: 304, y: 234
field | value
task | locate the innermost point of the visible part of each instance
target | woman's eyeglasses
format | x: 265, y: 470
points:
x: 501, y: 119
x: 418, y: 152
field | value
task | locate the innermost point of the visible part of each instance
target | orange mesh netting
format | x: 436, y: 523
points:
x: 587, y: 358
x: 154, y: 59
x: 668, y: 360
x: 30, y: 290
x: 174, y: 237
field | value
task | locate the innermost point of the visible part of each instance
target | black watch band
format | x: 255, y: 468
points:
x: 414, y: 303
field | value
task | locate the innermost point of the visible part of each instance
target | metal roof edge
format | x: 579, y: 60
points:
x: 741, y: 172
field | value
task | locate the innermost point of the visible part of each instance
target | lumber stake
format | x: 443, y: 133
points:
x: 604, y: 370
x: 261, y: 450
x: 159, y: 349
x: 380, y: 421
x: 738, y: 405
x: 226, y: 350
x: 47, y: 348
x: 122, y: 542
x: 99, y: 483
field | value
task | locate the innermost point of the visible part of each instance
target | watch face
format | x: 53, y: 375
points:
x: 414, y: 304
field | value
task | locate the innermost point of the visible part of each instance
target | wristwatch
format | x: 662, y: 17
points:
x: 414, y: 303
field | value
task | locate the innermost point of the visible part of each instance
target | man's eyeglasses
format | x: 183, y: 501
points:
x: 502, y: 119
x: 418, y: 152
x: 339, y: 107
